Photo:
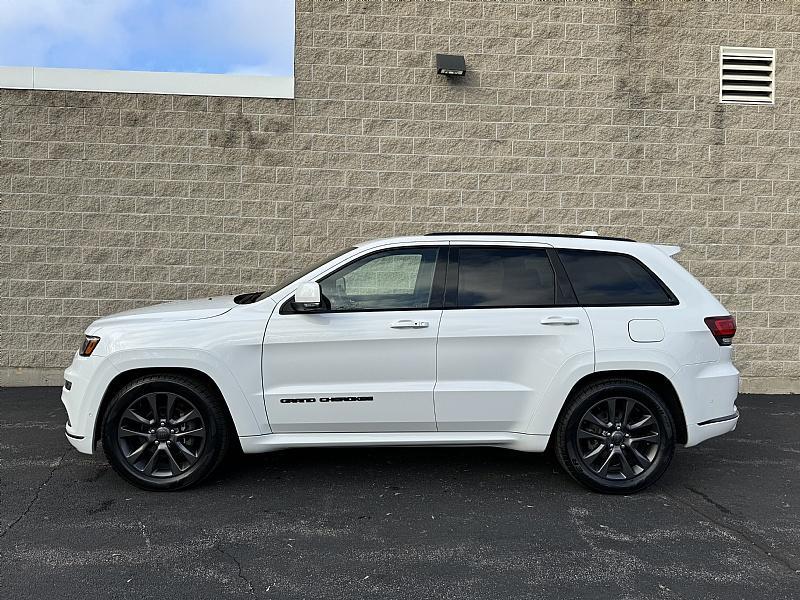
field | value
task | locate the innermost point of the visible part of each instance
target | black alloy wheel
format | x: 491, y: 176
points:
x: 166, y: 432
x: 161, y: 434
x: 616, y: 436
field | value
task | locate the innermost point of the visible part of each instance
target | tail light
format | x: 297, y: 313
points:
x: 722, y: 328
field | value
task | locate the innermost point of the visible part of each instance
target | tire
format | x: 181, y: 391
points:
x: 174, y: 450
x: 625, y: 458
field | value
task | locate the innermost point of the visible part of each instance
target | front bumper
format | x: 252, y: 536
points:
x: 81, y: 400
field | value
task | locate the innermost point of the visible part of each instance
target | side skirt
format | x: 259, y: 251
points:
x: 279, y: 441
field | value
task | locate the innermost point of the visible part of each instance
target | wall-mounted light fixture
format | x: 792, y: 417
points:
x: 450, y: 64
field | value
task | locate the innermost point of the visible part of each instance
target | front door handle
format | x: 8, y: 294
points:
x: 560, y: 321
x: 408, y: 324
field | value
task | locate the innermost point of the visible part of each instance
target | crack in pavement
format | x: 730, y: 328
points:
x: 35, y: 498
x: 721, y: 507
x: 787, y: 563
x: 221, y: 550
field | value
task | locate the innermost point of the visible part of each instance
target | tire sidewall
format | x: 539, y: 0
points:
x: 120, y: 403
x: 569, y: 445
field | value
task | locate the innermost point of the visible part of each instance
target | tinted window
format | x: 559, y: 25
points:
x: 603, y: 279
x: 504, y: 277
x: 391, y: 280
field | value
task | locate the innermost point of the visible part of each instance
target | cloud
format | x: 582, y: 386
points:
x: 31, y: 31
x: 265, y: 70
x: 209, y: 36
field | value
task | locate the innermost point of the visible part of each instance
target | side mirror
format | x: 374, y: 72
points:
x: 308, y: 297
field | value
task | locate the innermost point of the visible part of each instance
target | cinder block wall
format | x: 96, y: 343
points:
x: 573, y: 115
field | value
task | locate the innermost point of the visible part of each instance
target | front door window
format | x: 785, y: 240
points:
x: 390, y: 280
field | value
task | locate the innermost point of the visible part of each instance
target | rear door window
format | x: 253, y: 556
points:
x: 504, y: 277
x: 607, y: 279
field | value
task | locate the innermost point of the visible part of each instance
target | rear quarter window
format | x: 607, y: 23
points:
x: 608, y: 279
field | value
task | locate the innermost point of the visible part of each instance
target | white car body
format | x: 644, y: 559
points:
x: 496, y: 376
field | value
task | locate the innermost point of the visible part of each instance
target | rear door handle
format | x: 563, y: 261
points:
x: 560, y: 321
x: 408, y: 324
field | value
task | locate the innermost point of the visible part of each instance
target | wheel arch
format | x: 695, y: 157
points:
x: 125, y: 377
x: 657, y: 381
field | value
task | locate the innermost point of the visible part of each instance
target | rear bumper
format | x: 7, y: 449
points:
x: 712, y: 428
x: 708, y: 394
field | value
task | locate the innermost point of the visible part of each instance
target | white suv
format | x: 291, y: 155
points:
x: 605, y: 349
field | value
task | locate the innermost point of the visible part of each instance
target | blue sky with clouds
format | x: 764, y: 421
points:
x: 195, y: 36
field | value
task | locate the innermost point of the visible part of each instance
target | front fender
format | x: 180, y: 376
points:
x: 248, y: 413
x: 92, y: 376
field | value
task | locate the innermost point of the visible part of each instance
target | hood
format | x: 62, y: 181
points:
x: 181, y: 310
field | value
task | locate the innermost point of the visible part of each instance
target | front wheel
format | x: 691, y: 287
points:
x: 616, y: 436
x: 165, y: 432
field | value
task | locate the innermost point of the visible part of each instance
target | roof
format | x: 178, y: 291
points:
x: 585, y: 240
x: 584, y: 235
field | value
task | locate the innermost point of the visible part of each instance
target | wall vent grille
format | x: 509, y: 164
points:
x: 747, y: 75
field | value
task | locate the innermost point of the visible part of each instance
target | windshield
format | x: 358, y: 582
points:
x: 295, y: 276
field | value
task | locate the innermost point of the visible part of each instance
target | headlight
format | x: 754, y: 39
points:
x: 89, y: 344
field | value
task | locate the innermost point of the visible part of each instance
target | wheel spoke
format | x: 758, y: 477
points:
x: 170, y: 406
x: 584, y: 434
x: 125, y: 432
x: 134, y: 456
x: 612, y: 409
x: 133, y: 416
x: 192, y: 414
x: 592, y: 456
x: 651, y: 437
x: 173, y: 464
x: 641, y: 459
x: 648, y: 420
x: 626, y: 466
x: 628, y: 407
x: 148, y: 468
x: 603, y: 471
x: 191, y: 456
x: 593, y: 418
x: 153, y: 401
x: 200, y: 432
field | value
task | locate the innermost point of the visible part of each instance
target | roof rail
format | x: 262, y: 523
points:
x: 516, y: 233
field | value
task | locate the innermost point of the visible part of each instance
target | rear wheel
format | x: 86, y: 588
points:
x: 616, y: 436
x: 165, y: 432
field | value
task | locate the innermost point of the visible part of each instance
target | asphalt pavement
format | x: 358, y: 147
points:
x: 724, y: 522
